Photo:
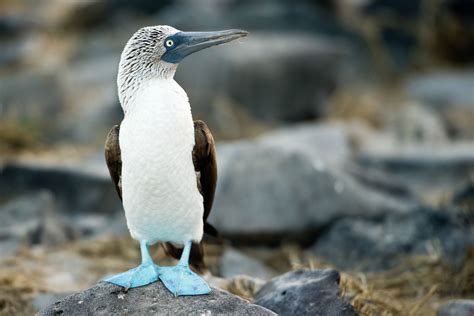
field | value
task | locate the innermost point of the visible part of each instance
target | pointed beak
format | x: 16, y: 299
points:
x: 186, y: 43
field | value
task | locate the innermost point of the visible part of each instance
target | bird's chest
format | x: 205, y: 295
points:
x: 157, y: 132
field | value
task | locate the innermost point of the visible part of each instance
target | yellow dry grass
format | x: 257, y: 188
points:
x: 416, y: 287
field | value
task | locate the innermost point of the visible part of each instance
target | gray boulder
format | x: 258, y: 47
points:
x: 412, y: 123
x: 49, y: 205
x: 74, y: 189
x: 234, y: 263
x: 22, y: 220
x: 451, y: 94
x: 426, y: 170
x: 457, y: 308
x: 43, y: 300
x: 463, y: 202
x: 443, y: 89
x: 272, y: 187
x: 90, y: 85
x: 305, y: 292
x: 43, y: 102
x: 376, y: 245
x: 106, y: 299
x: 245, y: 72
x: 323, y: 142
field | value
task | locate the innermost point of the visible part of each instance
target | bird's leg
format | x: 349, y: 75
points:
x: 184, y: 260
x: 146, y: 273
x: 180, y: 280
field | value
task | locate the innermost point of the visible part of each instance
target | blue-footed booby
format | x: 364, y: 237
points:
x: 162, y: 163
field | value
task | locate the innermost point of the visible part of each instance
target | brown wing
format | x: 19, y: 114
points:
x: 205, y: 164
x: 204, y: 159
x: 113, y: 158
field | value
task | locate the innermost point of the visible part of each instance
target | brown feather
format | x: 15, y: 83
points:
x: 113, y: 158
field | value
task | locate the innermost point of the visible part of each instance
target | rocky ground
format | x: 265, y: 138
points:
x: 349, y: 190
x: 280, y: 205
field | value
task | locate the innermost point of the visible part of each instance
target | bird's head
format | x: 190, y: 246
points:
x: 155, y: 51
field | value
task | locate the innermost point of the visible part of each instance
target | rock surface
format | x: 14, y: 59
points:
x: 74, y: 189
x: 377, y: 245
x: 449, y: 93
x: 305, y: 292
x: 426, y: 170
x: 234, y: 263
x: 46, y: 205
x: 269, y: 186
x: 43, y: 300
x: 21, y: 219
x: 106, y: 299
x: 457, y: 308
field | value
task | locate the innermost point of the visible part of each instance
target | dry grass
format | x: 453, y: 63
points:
x: 416, y: 287
x: 16, y: 136
x: 369, y: 105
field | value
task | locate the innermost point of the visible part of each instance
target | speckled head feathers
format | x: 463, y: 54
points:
x: 141, y: 59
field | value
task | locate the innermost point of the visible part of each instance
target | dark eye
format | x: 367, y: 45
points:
x: 169, y: 43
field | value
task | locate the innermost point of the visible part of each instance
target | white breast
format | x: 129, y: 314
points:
x: 160, y: 194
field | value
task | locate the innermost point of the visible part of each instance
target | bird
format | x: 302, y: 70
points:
x: 163, y: 163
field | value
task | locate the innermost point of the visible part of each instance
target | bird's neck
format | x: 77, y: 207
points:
x: 157, y: 96
x: 130, y: 83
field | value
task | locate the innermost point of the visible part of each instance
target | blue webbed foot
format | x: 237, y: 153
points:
x: 144, y: 274
x: 180, y: 280
x: 136, y: 277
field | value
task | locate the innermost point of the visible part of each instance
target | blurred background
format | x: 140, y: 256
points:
x: 345, y: 133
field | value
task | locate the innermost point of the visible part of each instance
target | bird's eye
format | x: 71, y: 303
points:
x: 169, y: 43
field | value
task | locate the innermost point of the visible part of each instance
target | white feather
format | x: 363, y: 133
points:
x: 160, y: 194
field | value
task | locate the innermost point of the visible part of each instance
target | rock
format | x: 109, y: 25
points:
x: 276, y: 186
x: 234, y: 263
x: 19, y: 219
x: 255, y: 16
x: 450, y: 93
x: 431, y: 172
x: 52, y: 230
x: 263, y: 62
x: 370, y: 245
x: 326, y: 142
x: 457, y: 308
x: 465, y: 197
x: 455, y: 16
x: 8, y: 246
x: 43, y: 300
x: 106, y: 299
x: 50, y: 205
x: 305, y: 292
x: 463, y: 202
x: 413, y: 123
x: 75, y: 190
x: 91, y: 88
x: 443, y: 88
x: 43, y: 102
x: 35, y: 219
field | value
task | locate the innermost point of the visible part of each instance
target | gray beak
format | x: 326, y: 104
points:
x: 183, y: 44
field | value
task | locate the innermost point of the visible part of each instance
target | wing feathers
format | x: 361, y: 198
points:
x: 113, y: 158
